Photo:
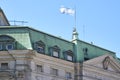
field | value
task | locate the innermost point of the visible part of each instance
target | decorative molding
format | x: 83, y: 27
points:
x: 106, y: 62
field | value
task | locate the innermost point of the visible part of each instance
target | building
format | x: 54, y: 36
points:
x: 29, y: 54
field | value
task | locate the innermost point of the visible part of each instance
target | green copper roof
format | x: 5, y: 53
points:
x: 26, y: 37
x: 19, y: 34
x: 92, y: 51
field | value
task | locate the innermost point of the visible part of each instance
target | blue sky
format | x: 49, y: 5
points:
x: 98, y: 21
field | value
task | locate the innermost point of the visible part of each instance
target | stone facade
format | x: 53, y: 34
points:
x: 94, y: 69
x: 29, y: 65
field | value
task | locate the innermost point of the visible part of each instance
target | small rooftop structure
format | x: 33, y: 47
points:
x: 3, y: 19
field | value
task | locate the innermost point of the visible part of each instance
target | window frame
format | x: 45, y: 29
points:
x: 9, y: 44
x: 39, y: 68
x: 69, y: 57
x: 55, y: 49
x: 54, y: 71
x: 68, y: 75
x: 85, y: 51
x: 40, y: 47
x: 55, y: 53
x: 68, y: 53
x: 4, y: 67
x: 6, y: 40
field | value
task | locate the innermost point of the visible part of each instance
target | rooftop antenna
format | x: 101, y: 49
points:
x: 84, y: 32
x: 15, y: 22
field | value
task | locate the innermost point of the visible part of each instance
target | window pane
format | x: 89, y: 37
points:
x: 68, y: 75
x: 69, y: 57
x: 40, y: 49
x: 55, y: 53
x: 54, y: 71
x: 9, y: 46
x: 4, y: 65
x: 39, y: 68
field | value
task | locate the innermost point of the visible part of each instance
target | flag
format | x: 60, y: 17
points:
x: 69, y: 11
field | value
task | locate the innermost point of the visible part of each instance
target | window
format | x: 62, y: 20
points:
x: 20, y: 74
x: 68, y: 75
x: 6, y: 42
x: 68, y: 55
x: 85, y: 51
x: 4, y: 65
x: 40, y: 47
x: 54, y: 71
x: 9, y: 46
x: 39, y: 68
x: 55, y: 51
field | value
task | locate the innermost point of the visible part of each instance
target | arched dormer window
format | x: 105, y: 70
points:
x: 85, y: 52
x: 68, y: 55
x: 7, y: 42
x: 40, y: 47
x: 55, y: 51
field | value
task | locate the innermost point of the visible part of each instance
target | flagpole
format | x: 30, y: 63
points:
x: 75, y: 17
x: 69, y: 11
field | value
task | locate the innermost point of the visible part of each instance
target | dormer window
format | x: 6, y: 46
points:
x: 55, y: 51
x: 40, y: 47
x: 68, y: 55
x: 7, y: 42
x: 85, y: 51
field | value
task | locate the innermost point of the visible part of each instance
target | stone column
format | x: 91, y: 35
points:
x: 78, y: 71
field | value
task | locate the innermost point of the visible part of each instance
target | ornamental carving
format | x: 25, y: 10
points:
x: 106, y: 62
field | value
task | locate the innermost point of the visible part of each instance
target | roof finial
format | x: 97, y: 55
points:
x: 75, y: 34
x: 74, y: 29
